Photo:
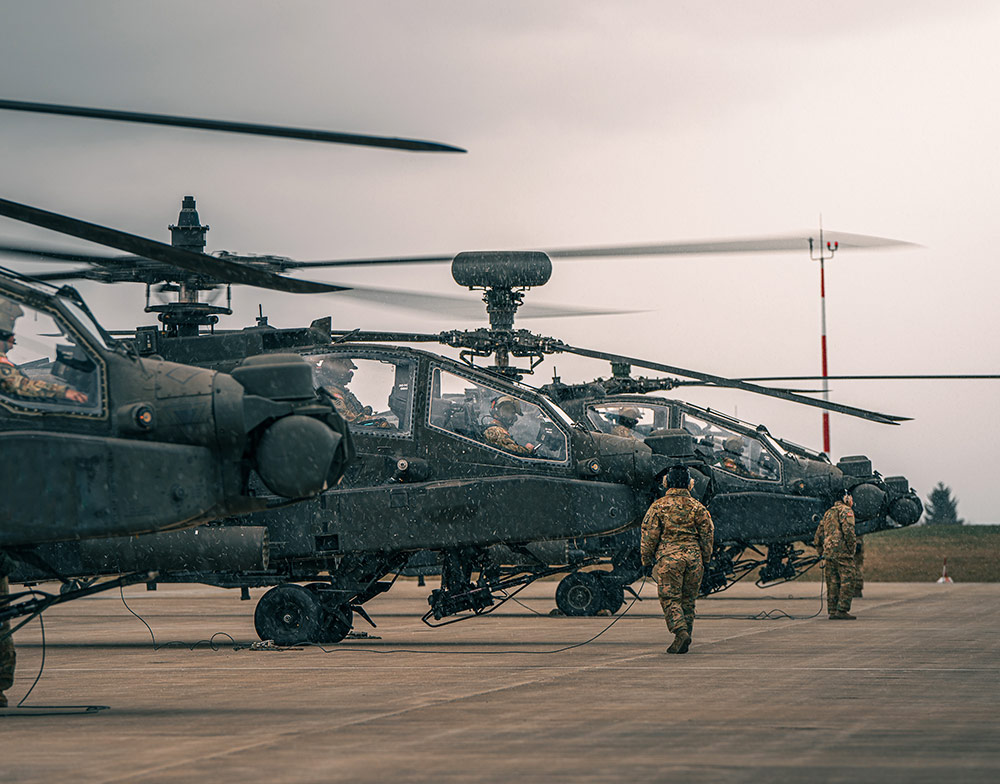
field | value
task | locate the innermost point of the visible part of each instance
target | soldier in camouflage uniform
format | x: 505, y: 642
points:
x: 731, y: 458
x: 836, y: 543
x: 340, y: 371
x: 677, y: 540
x: 13, y: 383
x: 7, y: 655
x: 628, y: 418
x: 505, y: 410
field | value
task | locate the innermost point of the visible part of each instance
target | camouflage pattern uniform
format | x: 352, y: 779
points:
x: 859, y: 568
x: 15, y: 384
x: 624, y: 432
x: 677, y: 538
x: 8, y: 657
x: 836, y: 542
x: 497, y: 435
x: 349, y: 407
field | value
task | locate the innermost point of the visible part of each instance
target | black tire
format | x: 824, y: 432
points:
x: 579, y: 594
x: 337, y: 624
x: 289, y: 614
x: 614, y: 593
x: 336, y: 620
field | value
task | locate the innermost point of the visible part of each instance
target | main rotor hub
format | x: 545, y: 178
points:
x: 189, y: 234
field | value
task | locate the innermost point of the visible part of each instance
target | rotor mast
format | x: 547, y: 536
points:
x: 184, y: 317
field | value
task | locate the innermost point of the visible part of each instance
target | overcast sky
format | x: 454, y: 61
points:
x: 586, y: 123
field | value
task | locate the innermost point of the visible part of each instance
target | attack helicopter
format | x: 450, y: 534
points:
x: 426, y: 478
x: 111, y: 444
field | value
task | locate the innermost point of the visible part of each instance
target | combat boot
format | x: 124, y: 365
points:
x: 3, y: 700
x: 843, y: 616
x: 682, y: 641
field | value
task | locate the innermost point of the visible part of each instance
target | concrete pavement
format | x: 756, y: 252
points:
x: 909, y: 692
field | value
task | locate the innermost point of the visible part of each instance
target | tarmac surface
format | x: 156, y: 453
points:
x: 908, y: 692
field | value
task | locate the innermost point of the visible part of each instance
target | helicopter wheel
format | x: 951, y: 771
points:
x: 288, y: 614
x: 580, y: 593
x: 336, y: 620
x: 613, y: 591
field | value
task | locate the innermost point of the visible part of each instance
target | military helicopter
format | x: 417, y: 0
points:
x: 109, y: 443
x: 427, y: 479
x: 423, y: 462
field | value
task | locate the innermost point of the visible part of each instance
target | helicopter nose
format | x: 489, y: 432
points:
x: 303, y: 446
x: 869, y: 501
x: 295, y: 455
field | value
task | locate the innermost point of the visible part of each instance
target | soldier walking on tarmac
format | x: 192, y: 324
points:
x: 677, y: 540
x: 836, y: 542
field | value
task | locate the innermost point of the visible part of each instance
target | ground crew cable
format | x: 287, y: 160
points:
x: 772, y: 615
x: 190, y: 646
x: 349, y: 648
x: 44, y: 710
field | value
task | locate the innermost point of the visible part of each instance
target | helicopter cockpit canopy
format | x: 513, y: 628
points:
x: 606, y: 417
x: 45, y: 364
x: 732, y: 451
x: 737, y: 451
x: 466, y: 409
x: 373, y: 391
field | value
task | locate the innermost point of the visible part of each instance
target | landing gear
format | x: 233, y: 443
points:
x: 335, y: 621
x: 587, y: 593
x: 288, y: 614
x: 291, y: 614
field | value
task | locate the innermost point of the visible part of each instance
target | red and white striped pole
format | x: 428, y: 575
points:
x: 829, y: 248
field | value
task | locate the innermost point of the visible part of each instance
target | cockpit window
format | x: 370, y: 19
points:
x: 630, y: 420
x: 374, y: 395
x: 732, y: 452
x: 44, y: 366
x: 494, y: 418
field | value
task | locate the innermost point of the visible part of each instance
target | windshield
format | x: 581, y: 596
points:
x: 43, y: 365
x: 629, y: 420
x: 504, y: 421
x: 373, y: 392
x: 732, y: 451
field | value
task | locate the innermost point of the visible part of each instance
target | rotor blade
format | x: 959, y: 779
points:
x: 373, y: 261
x: 798, y: 241
x: 887, y: 419
x: 43, y: 253
x: 937, y: 377
x: 465, y: 308
x: 209, y: 266
x: 309, y: 134
x: 56, y: 277
x: 780, y: 243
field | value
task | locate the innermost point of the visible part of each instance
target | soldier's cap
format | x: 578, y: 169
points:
x: 507, y: 400
x: 9, y: 313
x: 344, y: 362
x: 678, y: 476
x: 733, y: 444
x: 630, y: 412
